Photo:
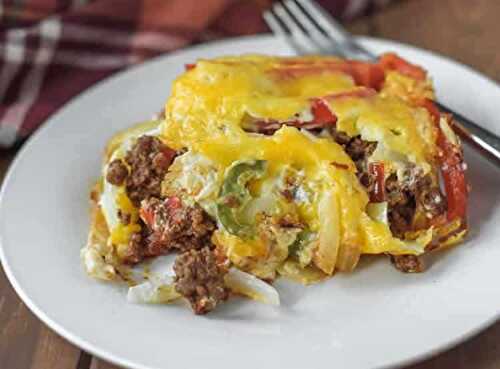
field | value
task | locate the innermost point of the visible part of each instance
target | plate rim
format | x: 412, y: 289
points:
x: 112, y: 358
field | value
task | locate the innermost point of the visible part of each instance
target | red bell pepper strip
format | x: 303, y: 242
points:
x: 453, y: 172
x: 147, y: 211
x: 363, y: 73
x: 452, y: 166
x: 391, y: 61
x: 169, y: 155
x: 432, y: 109
x: 189, y: 66
x: 322, y: 113
x: 322, y: 118
x: 147, y: 216
x: 339, y: 165
x: 377, y: 171
x: 367, y: 74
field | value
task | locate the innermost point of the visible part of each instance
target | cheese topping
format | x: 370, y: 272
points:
x: 210, y: 103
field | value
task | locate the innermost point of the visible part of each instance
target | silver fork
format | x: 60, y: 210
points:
x: 309, y: 29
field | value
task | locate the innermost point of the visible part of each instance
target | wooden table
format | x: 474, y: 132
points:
x: 465, y: 30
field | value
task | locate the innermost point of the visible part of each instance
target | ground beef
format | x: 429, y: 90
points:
x: 135, y: 249
x: 176, y: 226
x: 429, y: 197
x: 288, y: 221
x: 408, y: 263
x: 148, y: 160
x: 200, y: 279
x: 417, y: 191
x: 339, y: 137
x: 117, y: 172
x: 401, y: 205
x: 359, y: 151
x: 288, y: 195
x: 125, y: 218
x: 404, y: 197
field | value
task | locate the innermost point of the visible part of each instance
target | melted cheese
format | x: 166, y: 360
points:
x: 389, y: 120
x: 214, y: 98
x: 121, y: 233
x: 209, y: 103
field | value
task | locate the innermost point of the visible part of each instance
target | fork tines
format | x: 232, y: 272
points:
x: 311, y: 30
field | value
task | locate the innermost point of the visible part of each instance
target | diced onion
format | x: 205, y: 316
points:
x: 378, y: 211
x: 162, y: 265
x: 152, y: 292
x: 326, y: 254
x: 95, y: 265
x: 251, y: 286
x: 305, y: 275
x: 447, y: 131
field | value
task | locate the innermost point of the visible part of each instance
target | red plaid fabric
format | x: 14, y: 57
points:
x: 50, y: 50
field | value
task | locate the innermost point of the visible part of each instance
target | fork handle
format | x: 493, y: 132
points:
x: 479, y: 138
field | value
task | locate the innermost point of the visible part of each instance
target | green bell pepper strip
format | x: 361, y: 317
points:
x: 302, y: 240
x: 234, y: 195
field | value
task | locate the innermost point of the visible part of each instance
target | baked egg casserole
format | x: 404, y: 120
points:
x: 260, y: 167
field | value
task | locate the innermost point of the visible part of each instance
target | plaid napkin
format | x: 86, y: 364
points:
x: 50, y: 50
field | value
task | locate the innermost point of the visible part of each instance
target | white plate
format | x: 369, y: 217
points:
x: 371, y: 318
